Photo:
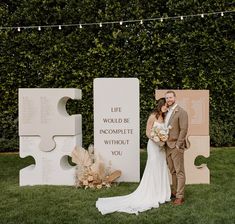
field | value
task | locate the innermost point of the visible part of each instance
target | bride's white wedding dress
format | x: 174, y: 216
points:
x: 154, y: 188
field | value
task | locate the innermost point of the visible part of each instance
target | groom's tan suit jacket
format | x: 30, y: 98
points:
x: 178, y: 124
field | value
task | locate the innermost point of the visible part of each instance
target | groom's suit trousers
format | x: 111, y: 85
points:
x: 175, y: 161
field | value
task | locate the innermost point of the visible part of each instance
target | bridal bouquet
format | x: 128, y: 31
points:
x: 159, y: 134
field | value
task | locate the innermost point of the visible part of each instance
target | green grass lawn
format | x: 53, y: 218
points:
x: 214, y: 203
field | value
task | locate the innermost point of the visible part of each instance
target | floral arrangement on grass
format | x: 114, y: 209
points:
x: 90, y: 170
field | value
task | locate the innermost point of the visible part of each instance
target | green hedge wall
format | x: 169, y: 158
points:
x: 194, y: 53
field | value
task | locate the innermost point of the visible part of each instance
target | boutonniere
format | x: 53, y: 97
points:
x: 176, y: 110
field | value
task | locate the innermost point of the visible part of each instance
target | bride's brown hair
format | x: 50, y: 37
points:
x: 157, y: 111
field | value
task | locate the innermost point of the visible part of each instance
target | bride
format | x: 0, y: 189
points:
x: 154, y: 188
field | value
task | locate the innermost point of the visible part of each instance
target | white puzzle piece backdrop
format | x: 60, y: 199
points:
x: 116, y: 125
x: 48, y: 134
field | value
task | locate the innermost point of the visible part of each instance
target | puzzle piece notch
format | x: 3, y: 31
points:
x: 42, y: 112
x: 51, y: 168
x: 200, y: 146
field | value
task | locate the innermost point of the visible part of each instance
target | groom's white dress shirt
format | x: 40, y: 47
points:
x: 169, y: 113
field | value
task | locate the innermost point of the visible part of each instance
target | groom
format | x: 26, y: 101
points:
x: 177, y: 119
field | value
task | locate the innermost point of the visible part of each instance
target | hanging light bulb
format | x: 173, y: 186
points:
x: 181, y: 17
x: 141, y: 21
x: 18, y: 29
x: 202, y: 15
x: 100, y: 24
x: 120, y: 22
x: 222, y: 14
x: 80, y: 26
x: 39, y: 28
x: 59, y: 27
x: 161, y: 19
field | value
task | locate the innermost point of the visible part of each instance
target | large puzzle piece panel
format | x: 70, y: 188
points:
x: 116, y: 125
x: 196, y: 103
x: 200, y: 146
x: 42, y: 112
x: 50, y: 168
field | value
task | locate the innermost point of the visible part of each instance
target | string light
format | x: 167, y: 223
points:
x: 140, y: 21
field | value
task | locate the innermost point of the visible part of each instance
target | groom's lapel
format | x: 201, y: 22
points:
x: 173, y: 114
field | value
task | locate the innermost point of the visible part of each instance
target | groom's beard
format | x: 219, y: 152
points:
x: 170, y: 104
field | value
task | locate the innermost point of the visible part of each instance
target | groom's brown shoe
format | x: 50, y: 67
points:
x: 178, y: 201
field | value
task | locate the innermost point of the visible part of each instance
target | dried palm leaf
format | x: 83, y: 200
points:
x: 81, y: 156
